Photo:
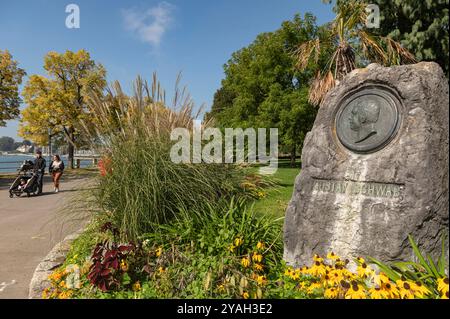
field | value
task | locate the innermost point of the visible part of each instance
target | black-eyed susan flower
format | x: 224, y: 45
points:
x: 420, y: 290
x: 158, y: 252
x: 405, y: 289
x: 356, y: 291
x: 258, y: 267
x: 443, y: 285
x: 335, y: 277
x: 332, y: 256
x: 317, y: 258
x: 378, y: 293
x: 257, y: 257
x: 245, y: 295
x: 331, y: 293
x: 318, y: 269
x: 124, y: 265
x: 391, y: 289
x: 137, y: 286
x: 261, y: 280
x: 360, y: 260
x: 380, y: 279
x: 238, y: 241
x: 245, y: 262
x: 364, y: 270
x: 260, y: 245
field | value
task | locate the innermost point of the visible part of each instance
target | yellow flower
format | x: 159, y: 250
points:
x: 405, y: 289
x: 158, y: 252
x: 45, y: 293
x: 391, y: 289
x: 245, y: 295
x: 318, y: 269
x: 257, y: 257
x: 161, y: 270
x: 124, y: 265
x: 62, y: 284
x: 356, y: 291
x: 245, y: 262
x: 360, y: 260
x: 420, y: 290
x: 288, y: 271
x: 381, y: 279
x: 377, y: 293
x: 331, y: 293
x: 335, y: 277
x: 317, y: 258
x: 221, y: 288
x: 55, y: 276
x: 258, y: 267
x: 332, y: 256
x: 364, y: 270
x: 238, y: 241
x: 232, y: 248
x: 443, y: 285
x: 137, y: 286
x: 261, y: 280
x: 445, y: 296
x: 260, y: 245
x: 65, y: 295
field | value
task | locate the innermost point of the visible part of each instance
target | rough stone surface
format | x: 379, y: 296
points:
x: 53, y: 260
x: 324, y: 213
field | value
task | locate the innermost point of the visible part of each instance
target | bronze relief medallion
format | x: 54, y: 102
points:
x: 367, y: 119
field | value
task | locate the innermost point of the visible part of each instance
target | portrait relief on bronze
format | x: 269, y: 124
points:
x: 368, y: 119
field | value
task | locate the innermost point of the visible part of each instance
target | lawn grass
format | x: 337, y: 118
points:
x: 277, y: 198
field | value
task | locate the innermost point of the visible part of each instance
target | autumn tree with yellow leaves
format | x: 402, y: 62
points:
x: 10, y: 79
x: 56, y: 101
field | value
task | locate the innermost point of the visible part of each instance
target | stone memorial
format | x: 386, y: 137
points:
x: 374, y: 168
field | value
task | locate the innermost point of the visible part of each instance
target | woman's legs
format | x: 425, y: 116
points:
x: 56, y: 178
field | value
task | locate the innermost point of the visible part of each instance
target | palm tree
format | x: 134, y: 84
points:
x: 346, y: 43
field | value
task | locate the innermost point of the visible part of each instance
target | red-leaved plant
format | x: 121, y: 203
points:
x: 105, y: 271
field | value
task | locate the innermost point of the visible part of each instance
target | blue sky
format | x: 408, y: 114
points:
x: 194, y: 37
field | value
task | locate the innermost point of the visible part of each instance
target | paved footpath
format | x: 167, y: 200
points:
x: 29, y: 228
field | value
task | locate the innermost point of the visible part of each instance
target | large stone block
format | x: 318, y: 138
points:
x: 374, y: 168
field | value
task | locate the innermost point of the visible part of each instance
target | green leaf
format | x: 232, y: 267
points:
x: 433, y: 266
x: 419, y: 254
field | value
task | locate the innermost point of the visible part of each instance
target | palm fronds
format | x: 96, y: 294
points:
x: 347, y: 35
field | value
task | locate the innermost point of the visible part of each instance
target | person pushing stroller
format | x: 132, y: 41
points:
x: 39, y: 169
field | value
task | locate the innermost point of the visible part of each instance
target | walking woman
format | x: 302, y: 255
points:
x: 56, y: 169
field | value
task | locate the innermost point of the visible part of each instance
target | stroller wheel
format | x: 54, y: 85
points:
x: 11, y: 195
x: 28, y: 195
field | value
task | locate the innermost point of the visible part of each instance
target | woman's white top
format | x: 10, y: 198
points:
x: 56, y: 165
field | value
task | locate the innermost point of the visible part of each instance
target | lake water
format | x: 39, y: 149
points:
x: 10, y: 163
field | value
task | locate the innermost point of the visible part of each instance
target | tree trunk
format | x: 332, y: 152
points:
x: 71, y: 148
x: 293, y: 155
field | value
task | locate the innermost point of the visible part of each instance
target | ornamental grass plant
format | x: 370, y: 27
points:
x: 141, y: 187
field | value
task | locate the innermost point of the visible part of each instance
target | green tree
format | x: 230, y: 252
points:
x: 57, y: 101
x: 420, y: 26
x: 10, y: 79
x: 262, y: 88
x: 6, y: 144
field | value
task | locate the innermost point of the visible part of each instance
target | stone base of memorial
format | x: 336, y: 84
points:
x: 374, y: 168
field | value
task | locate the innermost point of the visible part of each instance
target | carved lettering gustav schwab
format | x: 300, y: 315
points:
x: 369, y: 189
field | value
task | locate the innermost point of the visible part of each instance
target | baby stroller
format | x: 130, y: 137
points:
x: 26, y: 181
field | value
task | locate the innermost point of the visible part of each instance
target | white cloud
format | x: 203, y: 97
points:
x: 151, y: 24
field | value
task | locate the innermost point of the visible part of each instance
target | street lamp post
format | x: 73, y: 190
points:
x: 50, y: 143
